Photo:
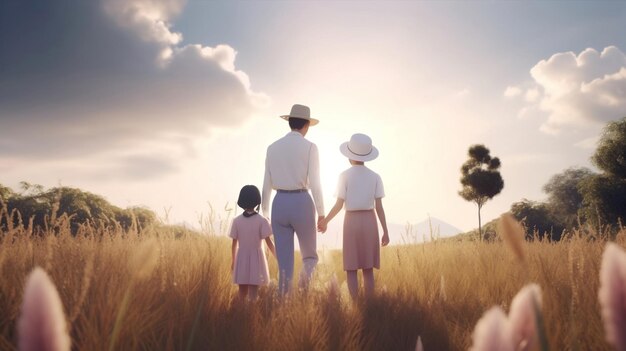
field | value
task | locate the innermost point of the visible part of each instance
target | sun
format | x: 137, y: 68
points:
x: 332, y: 163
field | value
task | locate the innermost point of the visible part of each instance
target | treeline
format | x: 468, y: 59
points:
x: 580, y: 196
x: 36, y: 208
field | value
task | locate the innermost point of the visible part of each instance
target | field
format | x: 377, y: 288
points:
x: 167, y: 290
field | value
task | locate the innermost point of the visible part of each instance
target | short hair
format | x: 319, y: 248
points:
x: 297, y: 123
x: 249, y: 197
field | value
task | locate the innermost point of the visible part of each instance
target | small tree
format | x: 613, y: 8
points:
x: 480, y: 178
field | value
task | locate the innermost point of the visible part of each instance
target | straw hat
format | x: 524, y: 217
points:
x: 300, y: 111
x: 359, y: 148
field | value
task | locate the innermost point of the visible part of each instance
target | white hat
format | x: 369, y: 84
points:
x: 359, y: 148
x: 302, y: 112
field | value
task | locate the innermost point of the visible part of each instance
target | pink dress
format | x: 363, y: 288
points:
x: 250, y: 262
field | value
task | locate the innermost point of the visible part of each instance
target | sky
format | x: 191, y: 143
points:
x: 171, y: 104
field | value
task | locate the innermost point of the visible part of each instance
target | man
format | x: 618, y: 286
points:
x: 291, y: 168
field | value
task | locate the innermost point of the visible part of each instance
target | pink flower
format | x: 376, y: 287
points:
x: 42, y: 326
x: 523, y: 317
x: 492, y: 332
x: 519, y: 332
x: 612, y: 295
x: 419, y: 346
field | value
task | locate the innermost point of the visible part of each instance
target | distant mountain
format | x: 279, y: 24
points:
x: 399, y: 234
x: 426, y: 230
x: 438, y: 227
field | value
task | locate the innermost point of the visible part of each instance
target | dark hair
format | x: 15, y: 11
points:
x: 249, y: 197
x: 297, y: 123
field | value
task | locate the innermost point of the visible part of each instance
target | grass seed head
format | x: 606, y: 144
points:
x: 512, y: 232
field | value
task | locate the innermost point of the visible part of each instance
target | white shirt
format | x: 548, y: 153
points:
x: 292, y: 163
x: 359, y: 187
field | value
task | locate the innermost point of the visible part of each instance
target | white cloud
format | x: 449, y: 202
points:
x: 148, y: 18
x: 512, y: 91
x: 111, y: 75
x: 532, y: 95
x: 579, y: 91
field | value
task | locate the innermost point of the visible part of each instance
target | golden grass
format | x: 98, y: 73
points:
x: 161, y: 291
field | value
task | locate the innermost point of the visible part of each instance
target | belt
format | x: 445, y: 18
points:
x: 292, y: 191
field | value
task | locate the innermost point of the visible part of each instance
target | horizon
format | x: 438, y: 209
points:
x: 171, y: 105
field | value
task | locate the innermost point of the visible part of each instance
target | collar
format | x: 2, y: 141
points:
x: 246, y: 214
x: 293, y: 132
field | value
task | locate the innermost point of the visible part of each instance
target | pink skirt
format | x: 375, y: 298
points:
x: 361, y: 248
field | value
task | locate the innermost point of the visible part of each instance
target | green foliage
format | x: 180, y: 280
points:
x: 565, y: 197
x: 604, y: 195
x: 604, y: 200
x: 537, y: 218
x: 82, y: 208
x: 480, y: 178
x: 5, y: 193
x: 610, y: 155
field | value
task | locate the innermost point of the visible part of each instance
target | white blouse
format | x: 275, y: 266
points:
x: 359, y: 187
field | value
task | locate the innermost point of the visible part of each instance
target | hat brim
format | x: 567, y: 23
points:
x: 362, y: 158
x: 313, y: 121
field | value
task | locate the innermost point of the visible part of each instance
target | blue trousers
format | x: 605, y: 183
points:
x: 294, y: 212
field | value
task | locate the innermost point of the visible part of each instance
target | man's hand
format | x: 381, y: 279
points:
x: 321, y: 224
x: 385, y: 240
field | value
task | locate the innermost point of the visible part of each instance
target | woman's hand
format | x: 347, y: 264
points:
x: 385, y: 240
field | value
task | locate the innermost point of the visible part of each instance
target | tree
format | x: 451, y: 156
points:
x: 565, y: 198
x: 610, y: 155
x: 537, y: 217
x: 604, y: 195
x: 81, y: 207
x: 5, y: 194
x: 480, y: 178
x: 604, y: 200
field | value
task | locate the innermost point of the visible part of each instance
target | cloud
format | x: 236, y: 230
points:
x: 579, y: 91
x: 95, y: 76
x: 532, y: 95
x: 512, y: 91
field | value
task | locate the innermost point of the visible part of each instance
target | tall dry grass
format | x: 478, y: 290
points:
x: 160, y: 290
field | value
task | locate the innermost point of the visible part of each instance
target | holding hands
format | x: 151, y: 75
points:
x: 322, y: 224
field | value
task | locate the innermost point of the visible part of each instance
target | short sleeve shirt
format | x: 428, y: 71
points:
x: 359, y: 187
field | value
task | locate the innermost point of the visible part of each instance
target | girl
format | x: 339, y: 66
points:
x: 249, y: 264
x: 362, y: 191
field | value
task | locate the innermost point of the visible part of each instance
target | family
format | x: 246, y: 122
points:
x: 292, y: 169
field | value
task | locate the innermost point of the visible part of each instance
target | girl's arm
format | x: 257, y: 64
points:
x: 234, y: 253
x: 333, y: 212
x: 380, y: 211
x: 270, y: 245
